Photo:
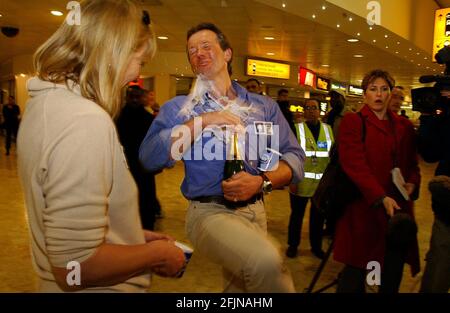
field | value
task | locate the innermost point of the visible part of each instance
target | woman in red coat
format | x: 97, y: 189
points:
x: 389, y: 143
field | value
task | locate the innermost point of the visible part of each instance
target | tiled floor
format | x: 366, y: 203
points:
x: 17, y: 275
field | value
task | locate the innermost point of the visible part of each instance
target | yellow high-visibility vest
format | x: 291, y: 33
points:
x: 317, y: 156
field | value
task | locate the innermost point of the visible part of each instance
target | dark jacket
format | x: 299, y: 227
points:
x: 434, y: 146
x: 11, y: 115
x: 434, y: 141
x: 132, y: 126
x: 285, y: 109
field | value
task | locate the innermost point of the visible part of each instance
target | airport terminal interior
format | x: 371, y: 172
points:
x: 308, y: 47
x: 201, y: 275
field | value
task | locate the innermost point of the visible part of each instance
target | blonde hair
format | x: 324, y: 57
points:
x: 96, y: 54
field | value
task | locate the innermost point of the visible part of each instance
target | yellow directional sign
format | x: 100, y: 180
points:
x: 268, y: 69
x: 441, y: 30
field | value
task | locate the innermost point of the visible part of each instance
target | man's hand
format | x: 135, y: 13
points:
x: 293, y: 188
x: 220, y: 118
x: 241, y: 186
x: 181, y: 142
x: 390, y: 206
x: 409, y: 188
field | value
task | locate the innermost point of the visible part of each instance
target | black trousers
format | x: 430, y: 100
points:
x: 316, y: 222
x: 11, y: 131
x: 352, y: 279
x: 148, y: 203
x: 400, y: 234
x: 436, y: 276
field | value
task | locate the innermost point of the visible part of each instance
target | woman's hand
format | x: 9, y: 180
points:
x: 390, y: 206
x: 168, y: 260
x: 409, y: 188
x: 151, y: 236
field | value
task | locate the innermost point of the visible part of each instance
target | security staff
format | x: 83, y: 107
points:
x: 316, y: 139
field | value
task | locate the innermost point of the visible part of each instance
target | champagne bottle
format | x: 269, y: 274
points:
x: 234, y: 164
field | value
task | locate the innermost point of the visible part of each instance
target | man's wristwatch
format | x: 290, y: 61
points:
x: 266, y: 185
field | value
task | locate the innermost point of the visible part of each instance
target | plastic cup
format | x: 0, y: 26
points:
x: 269, y: 160
x: 187, y: 253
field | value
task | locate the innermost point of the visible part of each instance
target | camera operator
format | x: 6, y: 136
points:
x: 434, y: 146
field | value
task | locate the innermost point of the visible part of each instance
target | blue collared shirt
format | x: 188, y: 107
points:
x: 203, y: 177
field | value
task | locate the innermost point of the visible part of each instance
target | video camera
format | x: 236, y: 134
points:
x: 429, y: 99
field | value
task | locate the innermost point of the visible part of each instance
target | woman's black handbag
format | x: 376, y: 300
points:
x: 336, y: 190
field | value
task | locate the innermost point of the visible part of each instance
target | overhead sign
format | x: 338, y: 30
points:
x: 306, y: 77
x: 441, y: 30
x: 296, y: 108
x: 323, y: 83
x: 353, y: 90
x: 338, y: 86
x: 268, y: 69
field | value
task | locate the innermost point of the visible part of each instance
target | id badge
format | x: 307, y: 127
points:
x: 269, y: 160
x: 260, y: 129
x: 263, y: 128
x: 322, y: 145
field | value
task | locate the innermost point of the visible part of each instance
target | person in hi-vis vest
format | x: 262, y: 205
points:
x: 316, y: 139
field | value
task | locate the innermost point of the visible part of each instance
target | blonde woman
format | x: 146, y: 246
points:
x: 81, y: 198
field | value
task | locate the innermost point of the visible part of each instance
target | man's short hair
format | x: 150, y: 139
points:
x: 282, y: 91
x: 339, y: 93
x: 253, y: 80
x: 313, y: 99
x: 221, y: 38
x: 134, y: 94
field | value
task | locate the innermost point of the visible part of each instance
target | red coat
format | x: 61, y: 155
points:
x: 360, y: 233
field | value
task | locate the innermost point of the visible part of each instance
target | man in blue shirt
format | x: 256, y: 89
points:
x: 226, y: 220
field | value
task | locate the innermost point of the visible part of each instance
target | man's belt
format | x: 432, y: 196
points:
x: 229, y: 204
